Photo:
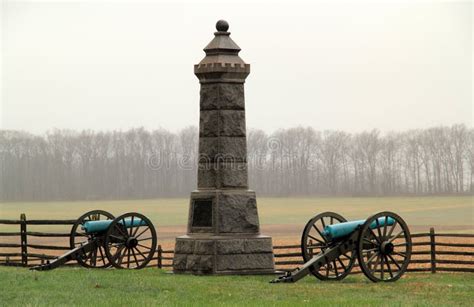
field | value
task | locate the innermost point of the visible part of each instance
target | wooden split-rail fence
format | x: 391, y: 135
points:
x: 432, y: 252
x: 19, y: 251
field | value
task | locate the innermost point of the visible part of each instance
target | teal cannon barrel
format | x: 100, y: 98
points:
x: 341, y: 230
x: 102, y: 226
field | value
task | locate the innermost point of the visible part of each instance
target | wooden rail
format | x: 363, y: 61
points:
x: 287, y: 257
x: 25, y: 246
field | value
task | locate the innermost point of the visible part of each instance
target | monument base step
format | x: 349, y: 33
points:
x: 218, y: 255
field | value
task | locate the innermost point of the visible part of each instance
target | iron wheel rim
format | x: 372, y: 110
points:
x: 372, y: 245
x: 342, y: 265
x: 78, y: 237
x: 123, y: 255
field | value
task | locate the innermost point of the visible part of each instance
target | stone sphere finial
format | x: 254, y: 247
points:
x: 222, y: 25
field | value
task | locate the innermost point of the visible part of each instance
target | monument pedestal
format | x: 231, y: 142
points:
x: 208, y: 254
x: 223, y: 235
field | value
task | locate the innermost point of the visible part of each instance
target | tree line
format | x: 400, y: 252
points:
x: 134, y: 164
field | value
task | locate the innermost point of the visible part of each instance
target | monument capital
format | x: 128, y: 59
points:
x: 222, y: 62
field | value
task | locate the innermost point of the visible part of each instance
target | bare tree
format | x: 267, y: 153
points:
x: 137, y: 163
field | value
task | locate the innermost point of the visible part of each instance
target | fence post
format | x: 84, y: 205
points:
x: 24, y: 249
x: 433, y: 250
x: 160, y: 255
x: 7, y: 260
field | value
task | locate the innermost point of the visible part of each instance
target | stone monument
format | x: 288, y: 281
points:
x: 223, y: 232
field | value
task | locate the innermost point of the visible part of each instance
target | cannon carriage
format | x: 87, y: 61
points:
x: 331, y: 246
x: 99, y: 240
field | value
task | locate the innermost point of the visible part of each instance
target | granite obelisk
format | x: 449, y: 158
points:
x: 223, y: 232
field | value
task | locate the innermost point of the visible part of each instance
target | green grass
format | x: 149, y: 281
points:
x: 153, y: 287
x: 423, y: 211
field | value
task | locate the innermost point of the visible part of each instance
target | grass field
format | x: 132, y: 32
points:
x: 152, y: 287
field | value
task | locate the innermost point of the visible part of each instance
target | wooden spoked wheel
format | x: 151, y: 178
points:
x: 95, y: 258
x: 384, y: 247
x: 130, y: 241
x: 313, y: 242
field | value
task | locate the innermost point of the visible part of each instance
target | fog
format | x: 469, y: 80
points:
x: 329, y: 65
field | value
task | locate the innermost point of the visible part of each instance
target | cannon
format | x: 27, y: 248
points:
x: 99, y: 240
x: 330, y: 246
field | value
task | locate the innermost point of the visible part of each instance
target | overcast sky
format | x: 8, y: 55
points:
x: 330, y: 65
